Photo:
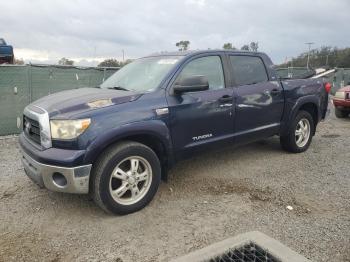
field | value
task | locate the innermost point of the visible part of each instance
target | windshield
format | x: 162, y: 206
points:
x: 142, y: 75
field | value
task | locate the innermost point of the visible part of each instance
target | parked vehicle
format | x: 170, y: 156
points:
x: 6, y: 53
x: 116, y: 142
x: 341, y: 102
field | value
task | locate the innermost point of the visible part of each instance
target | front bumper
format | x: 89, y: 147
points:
x: 57, y: 178
x: 341, y: 103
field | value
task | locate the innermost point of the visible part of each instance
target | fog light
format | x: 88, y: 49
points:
x: 59, y: 179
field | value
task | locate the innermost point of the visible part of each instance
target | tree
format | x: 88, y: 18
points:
x: 254, y: 46
x: 183, y: 45
x: 111, y: 62
x: 324, y: 56
x: 18, y: 61
x: 228, y: 46
x: 245, y: 47
x: 127, y: 61
x: 65, y: 61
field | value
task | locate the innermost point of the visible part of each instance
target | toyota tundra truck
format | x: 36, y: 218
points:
x: 117, y: 142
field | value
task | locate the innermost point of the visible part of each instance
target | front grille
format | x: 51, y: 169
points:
x: 247, y: 253
x: 31, y: 128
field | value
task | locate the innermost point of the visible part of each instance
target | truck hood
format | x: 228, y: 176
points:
x: 83, y: 99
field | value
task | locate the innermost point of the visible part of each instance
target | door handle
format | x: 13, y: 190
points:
x: 275, y: 92
x: 225, y: 98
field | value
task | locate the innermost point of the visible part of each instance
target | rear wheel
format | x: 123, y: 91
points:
x: 340, y: 113
x: 125, y: 178
x: 300, y: 133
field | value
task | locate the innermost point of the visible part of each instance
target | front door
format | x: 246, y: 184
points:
x: 200, y: 118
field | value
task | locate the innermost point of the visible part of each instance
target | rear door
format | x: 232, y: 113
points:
x: 259, y: 101
x: 198, y: 119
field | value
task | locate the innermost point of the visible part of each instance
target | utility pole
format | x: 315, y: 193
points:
x: 308, y: 54
x: 123, y: 55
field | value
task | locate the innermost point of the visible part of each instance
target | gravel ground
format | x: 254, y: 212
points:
x: 209, y: 198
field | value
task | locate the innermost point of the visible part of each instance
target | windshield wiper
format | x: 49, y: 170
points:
x: 118, y: 88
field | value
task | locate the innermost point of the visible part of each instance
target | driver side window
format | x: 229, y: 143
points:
x: 210, y: 67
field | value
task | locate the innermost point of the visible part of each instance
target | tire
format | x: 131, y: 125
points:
x: 340, y: 113
x: 108, y: 184
x: 291, y: 142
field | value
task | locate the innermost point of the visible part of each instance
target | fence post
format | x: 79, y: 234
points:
x: 104, y: 75
x: 50, y: 77
x: 342, y: 82
x: 29, y: 82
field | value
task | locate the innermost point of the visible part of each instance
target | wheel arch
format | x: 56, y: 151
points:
x: 310, y: 104
x: 153, y: 134
x: 313, y: 110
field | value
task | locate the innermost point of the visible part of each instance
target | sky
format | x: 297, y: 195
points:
x: 43, y: 31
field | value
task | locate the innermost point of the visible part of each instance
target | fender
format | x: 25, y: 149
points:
x: 290, y: 113
x: 155, y: 128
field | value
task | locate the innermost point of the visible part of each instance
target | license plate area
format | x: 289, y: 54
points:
x: 32, y: 172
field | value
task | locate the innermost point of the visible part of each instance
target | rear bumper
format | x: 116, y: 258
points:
x: 57, y: 178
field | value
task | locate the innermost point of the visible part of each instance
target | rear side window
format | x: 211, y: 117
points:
x: 248, y: 70
x: 209, y: 66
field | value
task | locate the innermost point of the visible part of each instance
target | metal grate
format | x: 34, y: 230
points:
x: 250, y: 252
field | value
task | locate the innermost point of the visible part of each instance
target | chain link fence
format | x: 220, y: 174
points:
x: 291, y: 72
x: 20, y: 85
x: 340, y: 79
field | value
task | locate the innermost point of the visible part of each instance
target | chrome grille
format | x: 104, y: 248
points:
x: 31, y: 128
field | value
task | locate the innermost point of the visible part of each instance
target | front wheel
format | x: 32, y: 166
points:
x: 300, y: 133
x: 125, y: 178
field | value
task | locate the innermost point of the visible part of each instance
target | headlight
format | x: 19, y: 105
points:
x: 340, y: 94
x: 68, y: 129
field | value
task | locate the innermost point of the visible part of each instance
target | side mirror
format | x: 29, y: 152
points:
x: 191, y: 84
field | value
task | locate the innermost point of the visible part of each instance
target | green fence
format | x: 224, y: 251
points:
x: 339, y: 79
x: 291, y: 72
x: 20, y: 85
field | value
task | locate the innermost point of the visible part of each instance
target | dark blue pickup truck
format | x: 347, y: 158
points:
x: 116, y: 142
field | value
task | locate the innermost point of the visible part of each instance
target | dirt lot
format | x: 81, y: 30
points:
x: 208, y: 198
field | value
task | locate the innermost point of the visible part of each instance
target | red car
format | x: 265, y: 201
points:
x: 341, y: 102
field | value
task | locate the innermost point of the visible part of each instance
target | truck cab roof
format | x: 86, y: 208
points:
x: 2, y: 41
x: 198, y: 52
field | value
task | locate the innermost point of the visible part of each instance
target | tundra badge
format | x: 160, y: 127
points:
x: 196, y: 138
